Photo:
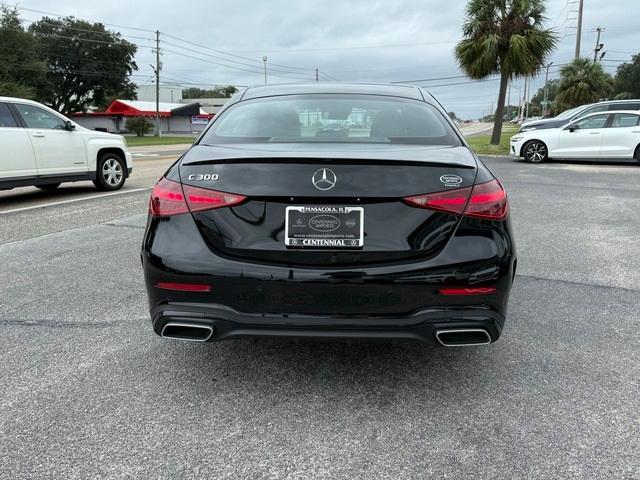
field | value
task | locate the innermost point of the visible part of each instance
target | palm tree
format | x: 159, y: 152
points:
x: 583, y: 81
x: 505, y: 37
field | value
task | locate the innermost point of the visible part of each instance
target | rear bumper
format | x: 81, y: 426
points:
x: 421, y: 326
x: 386, y: 301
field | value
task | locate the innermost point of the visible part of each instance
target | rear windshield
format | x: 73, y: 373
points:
x: 331, y: 118
x: 568, y: 113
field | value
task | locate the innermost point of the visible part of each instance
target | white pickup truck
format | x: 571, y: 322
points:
x: 40, y: 147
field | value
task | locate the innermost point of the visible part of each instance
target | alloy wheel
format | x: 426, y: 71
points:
x: 112, y: 172
x: 536, y: 152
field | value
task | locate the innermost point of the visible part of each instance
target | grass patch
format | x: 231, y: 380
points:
x: 143, y: 141
x: 482, y: 146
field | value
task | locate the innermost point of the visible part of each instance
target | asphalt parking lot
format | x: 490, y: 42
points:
x: 88, y: 391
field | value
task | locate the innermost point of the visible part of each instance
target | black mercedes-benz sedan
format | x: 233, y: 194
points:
x: 330, y: 211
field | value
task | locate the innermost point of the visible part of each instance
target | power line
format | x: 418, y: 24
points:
x: 26, y: 20
x: 462, y: 83
x: 119, y: 42
x: 228, y: 59
x: 431, y: 79
x: 232, y: 66
x: 222, y: 52
x: 321, y: 49
x: 43, y: 12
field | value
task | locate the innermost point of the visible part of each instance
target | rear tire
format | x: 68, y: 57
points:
x: 637, y: 154
x: 110, y: 174
x: 535, y: 151
x: 48, y: 186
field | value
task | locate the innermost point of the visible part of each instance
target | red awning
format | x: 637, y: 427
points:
x: 120, y: 108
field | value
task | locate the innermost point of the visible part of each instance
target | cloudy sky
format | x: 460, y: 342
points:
x: 347, y: 40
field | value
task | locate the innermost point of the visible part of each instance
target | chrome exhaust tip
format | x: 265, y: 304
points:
x: 463, y: 337
x: 188, y: 332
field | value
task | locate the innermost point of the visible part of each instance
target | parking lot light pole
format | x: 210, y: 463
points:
x: 264, y: 60
x: 545, y: 112
x: 579, y: 29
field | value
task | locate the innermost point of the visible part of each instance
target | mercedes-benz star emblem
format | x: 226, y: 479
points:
x: 324, y: 179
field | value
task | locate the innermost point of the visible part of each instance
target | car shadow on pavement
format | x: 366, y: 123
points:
x: 342, y: 368
x: 26, y: 194
x: 603, y: 162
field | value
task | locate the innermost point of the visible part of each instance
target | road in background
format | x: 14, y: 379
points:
x: 475, y: 128
x: 150, y: 162
x: 90, y: 392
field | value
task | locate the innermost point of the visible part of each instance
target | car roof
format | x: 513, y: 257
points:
x: 626, y: 100
x: 609, y: 112
x: 635, y: 112
x: 404, y: 91
x: 18, y: 100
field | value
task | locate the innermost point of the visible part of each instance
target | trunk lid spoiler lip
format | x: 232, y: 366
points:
x: 455, y: 156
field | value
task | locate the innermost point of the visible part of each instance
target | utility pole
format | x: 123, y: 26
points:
x: 508, y: 99
x: 316, y: 74
x: 517, y: 111
x: 599, y: 46
x: 521, y: 113
x: 264, y: 60
x: 526, y: 101
x: 156, y: 70
x: 545, y: 112
x: 579, y: 31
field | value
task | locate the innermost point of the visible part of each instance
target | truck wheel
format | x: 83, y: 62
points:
x: 110, y: 174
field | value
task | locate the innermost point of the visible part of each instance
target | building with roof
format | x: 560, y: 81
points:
x: 174, y: 117
x: 210, y: 105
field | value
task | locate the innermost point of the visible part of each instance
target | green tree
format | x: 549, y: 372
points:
x: 504, y: 37
x: 582, y: 82
x: 220, y: 92
x: 627, y: 81
x: 139, y: 125
x: 20, y: 68
x: 536, y: 102
x: 86, y: 64
x: 228, y: 90
x: 510, y: 111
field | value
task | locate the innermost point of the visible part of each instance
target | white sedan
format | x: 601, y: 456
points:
x: 612, y: 135
x: 41, y: 147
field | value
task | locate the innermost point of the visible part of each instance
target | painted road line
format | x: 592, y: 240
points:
x: 145, y: 154
x: 73, y: 200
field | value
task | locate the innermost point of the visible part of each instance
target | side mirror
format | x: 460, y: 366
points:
x: 68, y: 125
x: 573, y: 127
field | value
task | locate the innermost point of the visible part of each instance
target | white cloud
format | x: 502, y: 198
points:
x: 315, y: 33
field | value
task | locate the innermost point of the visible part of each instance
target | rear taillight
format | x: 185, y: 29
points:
x: 488, y: 200
x: 485, y: 200
x: 451, y: 201
x: 167, y: 199
x: 171, y: 198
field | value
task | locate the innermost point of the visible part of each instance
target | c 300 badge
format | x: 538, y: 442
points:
x: 451, y: 180
x: 203, y: 177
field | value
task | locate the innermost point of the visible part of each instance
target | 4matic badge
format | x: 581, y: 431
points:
x: 451, y: 180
